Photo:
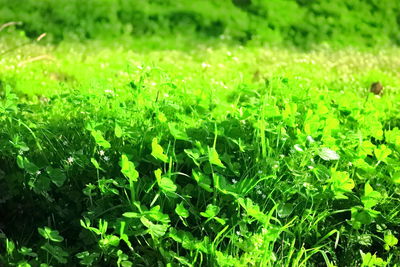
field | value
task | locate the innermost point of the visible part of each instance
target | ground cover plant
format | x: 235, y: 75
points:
x: 181, y: 152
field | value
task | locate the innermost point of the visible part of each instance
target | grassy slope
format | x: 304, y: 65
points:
x: 261, y: 102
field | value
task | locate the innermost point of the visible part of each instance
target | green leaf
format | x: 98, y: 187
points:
x: 203, y: 180
x: 341, y: 183
x: 194, y: 154
x: 87, y: 258
x: 331, y: 123
x: 23, y: 264
x: 211, y: 211
x: 155, y: 230
x: 366, y: 148
x: 30, y: 167
x: 95, y: 163
x: 219, y: 220
x: 20, y: 161
x: 41, y: 184
x: 128, y: 168
x: 156, y: 214
x: 369, y: 260
x: 390, y: 240
x: 117, y: 131
x: 393, y: 136
x: 50, y: 234
x: 98, y: 137
x: 382, y: 152
x: 157, y: 174
x: 361, y: 216
x: 181, y: 210
x: 10, y: 247
x: 362, y: 164
x: 176, y: 132
x: 167, y: 184
x: 157, y: 151
x: 126, y: 264
x: 396, y: 178
x: 254, y: 211
x: 27, y: 252
x: 214, y: 157
x: 285, y: 210
x: 371, y: 197
x: 132, y: 215
x: 57, y: 176
x: 58, y: 253
x: 110, y: 240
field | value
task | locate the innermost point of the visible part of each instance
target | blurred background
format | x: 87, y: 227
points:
x: 299, y: 23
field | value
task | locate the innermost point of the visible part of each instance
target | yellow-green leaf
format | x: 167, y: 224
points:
x: 214, y: 158
x: 157, y: 151
x: 128, y: 168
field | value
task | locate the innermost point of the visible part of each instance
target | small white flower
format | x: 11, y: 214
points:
x: 259, y: 192
x: 298, y: 148
x: 234, y: 181
x: 350, y: 164
x: 258, y: 186
x: 101, y: 152
x: 106, y: 158
x: 139, y: 67
x: 305, y: 184
x: 205, y: 65
x: 281, y: 156
x: 276, y: 166
x: 38, y: 172
x: 263, y: 196
x: 109, y: 91
x: 21, y: 152
x: 153, y: 84
x: 70, y: 160
x: 238, y: 232
x: 260, y: 172
x: 310, y: 167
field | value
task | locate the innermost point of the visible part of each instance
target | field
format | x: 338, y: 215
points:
x: 174, y: 151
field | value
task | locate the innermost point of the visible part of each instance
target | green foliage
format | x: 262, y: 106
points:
x: 295, y: 22
x: 49, y: 234
x: 228, y: 156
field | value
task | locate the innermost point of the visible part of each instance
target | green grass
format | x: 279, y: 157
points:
x: 135, y: 154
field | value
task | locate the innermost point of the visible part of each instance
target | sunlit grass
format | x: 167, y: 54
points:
x: 201, y: 156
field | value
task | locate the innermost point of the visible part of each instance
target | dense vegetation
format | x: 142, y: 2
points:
x: 302, y: 23
x: 164, y: 134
